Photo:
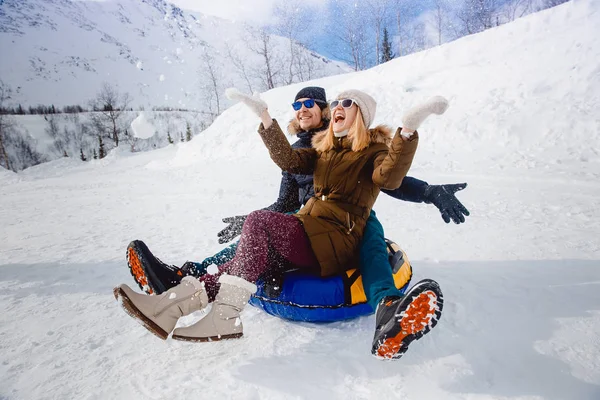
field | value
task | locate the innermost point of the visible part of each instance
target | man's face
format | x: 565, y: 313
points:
x: 308, y: 118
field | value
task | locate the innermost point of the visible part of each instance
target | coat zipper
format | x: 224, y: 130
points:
x: 350, y: 223
x: 326, y: 180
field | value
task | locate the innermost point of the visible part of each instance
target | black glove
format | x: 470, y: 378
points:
x: 442, y: 196
x: 233, y: 229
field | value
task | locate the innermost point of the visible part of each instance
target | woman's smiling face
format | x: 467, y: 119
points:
x: 343, y: 118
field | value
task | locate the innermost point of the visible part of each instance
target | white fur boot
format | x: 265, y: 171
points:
x: 223, y: 320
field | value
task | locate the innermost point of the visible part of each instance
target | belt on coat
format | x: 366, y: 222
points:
x: 362, y: 212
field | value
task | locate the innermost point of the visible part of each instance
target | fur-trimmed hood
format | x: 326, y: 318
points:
x: 379, y: 134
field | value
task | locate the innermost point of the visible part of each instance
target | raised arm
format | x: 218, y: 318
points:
x: 295, y: 161
x: 392, y: 165
x: 391, y: 168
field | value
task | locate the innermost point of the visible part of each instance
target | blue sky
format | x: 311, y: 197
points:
x: 321, y: 17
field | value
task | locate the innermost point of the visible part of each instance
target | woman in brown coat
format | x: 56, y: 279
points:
x: 350, y: 164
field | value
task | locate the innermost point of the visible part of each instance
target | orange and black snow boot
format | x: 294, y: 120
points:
x: 151, y: 274
x: 400, y: 320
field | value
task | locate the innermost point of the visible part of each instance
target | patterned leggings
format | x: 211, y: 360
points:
x: 270, y: 242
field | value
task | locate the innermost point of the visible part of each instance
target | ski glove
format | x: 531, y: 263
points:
x: 416, y: 115
x: 443, y: 197
x: 255, y: 103
x: 233, y: 229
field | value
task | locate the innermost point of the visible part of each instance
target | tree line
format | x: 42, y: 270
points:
x: 381, y: 30
x: 104, y: 128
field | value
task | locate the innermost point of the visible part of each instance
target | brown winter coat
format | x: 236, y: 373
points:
x: 346, y: 183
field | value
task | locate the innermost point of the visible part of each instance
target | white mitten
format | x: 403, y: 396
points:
x: 416, y: 115
x: 255, y: 103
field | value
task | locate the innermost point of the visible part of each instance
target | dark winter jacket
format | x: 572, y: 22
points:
x: 346, y: 185
x: 296, y: 189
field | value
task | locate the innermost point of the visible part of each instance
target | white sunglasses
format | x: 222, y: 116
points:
x: 346, y: 103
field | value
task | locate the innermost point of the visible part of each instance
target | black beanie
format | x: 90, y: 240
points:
x: 313, y: 92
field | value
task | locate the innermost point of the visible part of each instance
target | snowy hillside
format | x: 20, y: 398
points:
x: 61, y: 51
x: 520, y: 277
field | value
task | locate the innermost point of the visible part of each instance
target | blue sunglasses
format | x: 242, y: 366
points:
x: 308, y: 103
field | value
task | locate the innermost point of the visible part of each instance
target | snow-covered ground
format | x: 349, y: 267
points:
x: 520, y: 277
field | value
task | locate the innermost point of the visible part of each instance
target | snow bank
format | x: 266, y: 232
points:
x: 521, y: 96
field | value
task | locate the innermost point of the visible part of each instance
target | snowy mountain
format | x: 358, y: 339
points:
x: 520, y: 277
x: 61, y: 51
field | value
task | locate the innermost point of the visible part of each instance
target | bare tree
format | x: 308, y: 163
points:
x: 82, y: 130
x: 410, y: 36
x: 378, y: 12
x: 514, y: 9
x: 439, y: 19
x: 478, y: 15
x: 403, y: 26
x: 399, y: 29
x: 287, y: 26
x: 553, y: 3
x: 261, y: 44
x: 415, y: 38
x: 23, y: 153
x: 132, y: 140
x: 109, y: 105
x: 6, y: 122
x: 307, y: 66
x: 240, y: 65
x: 353, y: 37
x: 52, y: 129
x: 297, y: 61
x: 211, y: 78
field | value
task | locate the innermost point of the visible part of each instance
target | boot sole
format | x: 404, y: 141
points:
x: 419, y: 317
x: 136, y: 314
x: 137, y: 270
x: 207, y: 339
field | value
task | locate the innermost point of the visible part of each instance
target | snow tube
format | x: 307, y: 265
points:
x: 302, y: 297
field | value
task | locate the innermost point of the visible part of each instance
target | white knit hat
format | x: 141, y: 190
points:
x: 367, y: 104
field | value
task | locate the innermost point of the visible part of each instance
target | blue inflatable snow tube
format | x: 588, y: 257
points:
x: 310, y: 298
x: 304, y: 297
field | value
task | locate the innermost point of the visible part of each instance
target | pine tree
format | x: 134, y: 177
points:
x: 169, y: 138
x: 188, y: 132
x: 81, y: 155
x: 101, y: 151
x: 387, y: 54
x: 181, y: 137
x: 95, y: 155
x: 20, y: 110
